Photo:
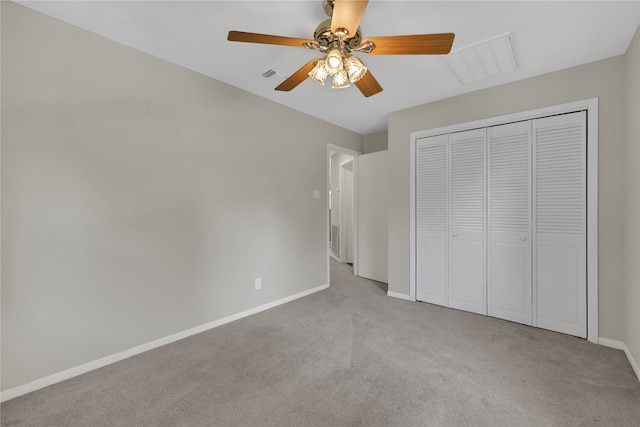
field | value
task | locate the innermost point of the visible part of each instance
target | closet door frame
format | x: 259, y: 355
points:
x: 591, y: 108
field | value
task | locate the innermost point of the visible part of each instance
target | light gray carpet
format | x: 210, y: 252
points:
x: 346, y: 356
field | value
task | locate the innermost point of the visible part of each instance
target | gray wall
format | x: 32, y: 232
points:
x: 140, y: 199
x: 375, y: 142
x: 602, y: 79
x: 632, y: 221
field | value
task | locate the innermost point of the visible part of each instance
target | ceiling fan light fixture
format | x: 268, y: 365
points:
x: 355, y: 68
x: 334, y: 61
x: 337, y: 38
x: 340, y: 80
x: 319, y: 72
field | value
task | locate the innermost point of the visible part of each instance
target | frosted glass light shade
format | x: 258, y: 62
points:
x: 340, y: 80
x: 355, y: 68
x: 319, y: 72
x: 333, y: 61
x: 344, y: 68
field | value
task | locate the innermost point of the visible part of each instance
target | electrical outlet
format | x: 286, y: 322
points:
x: 258, y: 283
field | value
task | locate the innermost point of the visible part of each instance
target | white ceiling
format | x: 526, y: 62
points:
x: 547, y: 36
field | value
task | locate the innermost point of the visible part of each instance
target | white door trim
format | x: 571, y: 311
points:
x: 591, y: 106
x: 347, y: 233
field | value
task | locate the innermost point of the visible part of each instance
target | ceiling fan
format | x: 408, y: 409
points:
x: 338, y: 37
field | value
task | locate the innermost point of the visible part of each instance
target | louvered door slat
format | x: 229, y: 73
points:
x: 559, y: 176
x: 431, y: 219
x: 560, y: 223
x: 467, y: 287
x: 509, y: 223
x: 467, y: 183
x: 432, y: 187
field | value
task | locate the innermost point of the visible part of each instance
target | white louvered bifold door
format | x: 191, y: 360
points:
x: 431, y: 219
x: 467, y: 290
x: 560, y: 223
x: 509, y: 222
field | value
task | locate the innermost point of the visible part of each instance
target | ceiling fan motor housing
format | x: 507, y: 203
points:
x: 325, y: 37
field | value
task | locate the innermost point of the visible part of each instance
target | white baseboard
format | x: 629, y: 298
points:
x: 611, y: 343
x: 621, y: 346
x: 399, y: 295
x: 104, y: 361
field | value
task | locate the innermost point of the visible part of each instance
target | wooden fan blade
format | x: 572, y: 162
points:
x: 297, y: 77
x: 241, y: 36
x: 368, y: 85
x: 347, y: 15
x: 419, y: 44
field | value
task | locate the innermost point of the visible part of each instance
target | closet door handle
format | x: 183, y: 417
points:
x: 455, y: 235
x: 524, y: 239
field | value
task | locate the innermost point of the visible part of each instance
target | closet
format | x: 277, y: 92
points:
x: 500, y: 221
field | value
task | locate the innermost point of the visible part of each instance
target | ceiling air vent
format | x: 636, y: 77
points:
x: 268, y: 73
x: 483, y: 60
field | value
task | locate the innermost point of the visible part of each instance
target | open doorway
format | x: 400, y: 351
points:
x: 342, y: 230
